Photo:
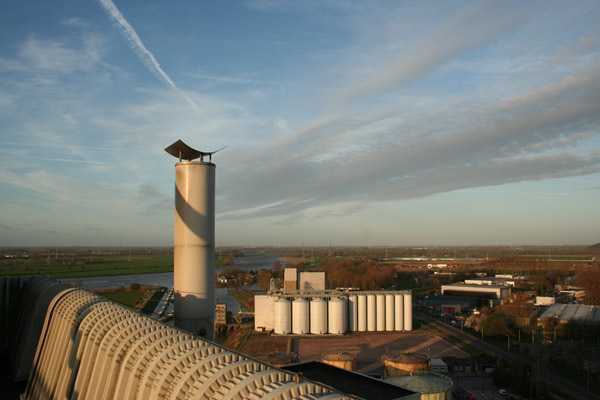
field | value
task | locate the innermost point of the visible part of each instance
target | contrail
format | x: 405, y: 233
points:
x: 136, y: 43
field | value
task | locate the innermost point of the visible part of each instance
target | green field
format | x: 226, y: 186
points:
x: 110, y: 265
x: 127, y: 298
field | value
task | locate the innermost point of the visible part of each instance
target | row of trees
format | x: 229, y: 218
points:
x: 366, y: 275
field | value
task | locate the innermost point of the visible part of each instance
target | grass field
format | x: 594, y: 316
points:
x: 125, y: 297
x: 110, y: 265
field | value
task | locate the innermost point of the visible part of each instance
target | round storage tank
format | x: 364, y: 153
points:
x: 337, y: 316
x: 380, y: 312
x: 399, y: 312
x: 402, y: 364
x: 300, y: 316
x: 408, y: 312
x: 389, y: 312
x: 318, y: 316
x: 361, y: 314
x: 353, y: 313
x: 283, y: 317
x: 371, y: 313
x: 341, y: 360
x: 431, y: 386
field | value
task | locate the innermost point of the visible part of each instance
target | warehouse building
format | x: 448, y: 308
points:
x: 492, y: 294
x: 566, y: 312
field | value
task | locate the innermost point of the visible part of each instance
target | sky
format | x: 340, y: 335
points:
x: 379, y: 123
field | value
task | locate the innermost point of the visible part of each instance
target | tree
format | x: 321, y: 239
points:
x: 495, y: 325
x: 589, y: 280
x: 135, y: 286
x: 263, y: 279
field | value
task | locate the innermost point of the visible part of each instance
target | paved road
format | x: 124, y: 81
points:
x: 553, y: 379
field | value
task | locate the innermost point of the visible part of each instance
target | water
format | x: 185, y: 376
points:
x: 252, y: 261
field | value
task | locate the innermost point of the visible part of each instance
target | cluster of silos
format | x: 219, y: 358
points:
x: 317, y: 316
x: 379, y: 311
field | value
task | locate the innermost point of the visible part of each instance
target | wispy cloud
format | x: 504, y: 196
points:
x: 138, y: 46
x: 470, y: 27
x: 66, y: 160
x: 532, y: 136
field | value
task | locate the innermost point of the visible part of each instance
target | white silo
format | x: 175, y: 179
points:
x: 337, y: 316
x: 352, y: 313
x: 300, y: 316
x: 399, y: 312
x: 408, y: 312
x: 194, y: 241
x: 283, y: 317
x: 380, y: 312
x: 371, y: 313
x: 318, y: 316
x: 361, y: 313
x: 389, y: 312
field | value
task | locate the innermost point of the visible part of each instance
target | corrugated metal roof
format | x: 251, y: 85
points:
x: 577, y: 312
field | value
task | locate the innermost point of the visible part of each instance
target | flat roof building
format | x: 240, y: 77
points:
x: 496, y: 293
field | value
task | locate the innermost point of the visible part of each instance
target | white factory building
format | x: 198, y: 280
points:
x: 334, y: 312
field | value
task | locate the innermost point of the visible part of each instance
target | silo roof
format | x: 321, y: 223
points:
x: 339, y: 356
x: 424, y: 383
x: 405, y: 358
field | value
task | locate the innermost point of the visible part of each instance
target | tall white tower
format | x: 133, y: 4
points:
x: 194, y: 241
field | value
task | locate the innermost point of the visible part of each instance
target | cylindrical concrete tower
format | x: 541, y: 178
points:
x: 194, y: 253
x: 194, y: 241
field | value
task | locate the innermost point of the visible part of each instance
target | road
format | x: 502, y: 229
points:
x: 553, y: 379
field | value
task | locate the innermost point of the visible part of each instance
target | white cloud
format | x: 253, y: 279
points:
x: 75, y: 22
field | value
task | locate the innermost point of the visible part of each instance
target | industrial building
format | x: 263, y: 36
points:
x: 333, y: 312
x: 566, y: 312
x: 493, y: 280
x: 305, y: 280
x: 450, y: 304
x: 496, y: 294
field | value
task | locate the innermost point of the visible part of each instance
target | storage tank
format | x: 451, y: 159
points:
x: 283, y: 317
x: 353, y: 313
x: 371, y: 313
x: 432, y: 386
x: 403, y: 364
x: 380, y: 312
x: 342, y: 360
x: 318, y: 316
x: 389, y: 312
x: 337, y: 316
x: 300, y: 316
x: 399, y: 312
x: 408, y: 312
x: 361, y: 314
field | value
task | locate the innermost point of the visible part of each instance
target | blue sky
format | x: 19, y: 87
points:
x: 350, y: 123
